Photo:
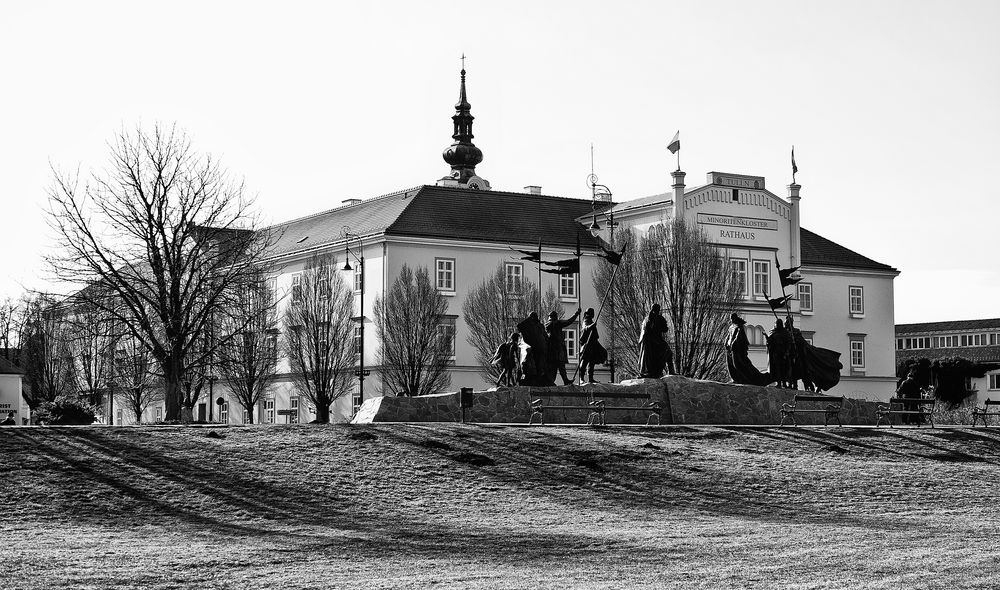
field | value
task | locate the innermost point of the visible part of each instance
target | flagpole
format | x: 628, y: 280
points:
x: 597, y: 317
x: 538, y: 264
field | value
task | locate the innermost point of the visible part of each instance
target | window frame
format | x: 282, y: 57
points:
x: 449, y: 322
x: 860, y: 312
x: 857, y: 347
x: 745, y: 272
x: 572, y: 293
x: 508, y: 276
x: 572, y: 342
x: 449, y: 273
x: 296, y: 289
x: 269, y: 410
x: 993, y: 381
x: 293, y: 404
x: 224, y: 412
x: 766, y: 274
x: 802, y: 307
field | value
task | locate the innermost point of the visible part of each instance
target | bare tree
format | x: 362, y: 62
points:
x: 493, y: 309
x: 9, y: 314
x: 45, y: 352
x: 92, y: 339
x: 167, y: 233
x: 677, y: 266
x: 135, y: 377
x: 417, y: 345
x: 319, y: 334
x: 249, y: 360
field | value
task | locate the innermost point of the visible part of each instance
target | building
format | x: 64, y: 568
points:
x: 845, y: 300
x: 12, y: 393
x: 974, y: 340
x: 461, y: 230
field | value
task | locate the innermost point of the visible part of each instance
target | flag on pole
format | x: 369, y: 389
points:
x: 530, y: 256
x: 779, y: 302
x: 795, y: 168
x: 675, y: 143
x: 611, y: 256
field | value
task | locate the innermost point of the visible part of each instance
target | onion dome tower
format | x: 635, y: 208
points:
x: 463, y: 155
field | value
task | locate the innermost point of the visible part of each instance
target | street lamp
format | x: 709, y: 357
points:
x: 602, y: 191
x: 361, y: 373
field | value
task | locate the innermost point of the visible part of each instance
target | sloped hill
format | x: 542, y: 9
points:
x: 396, y: 505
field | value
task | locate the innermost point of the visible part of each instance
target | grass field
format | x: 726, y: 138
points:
x: 453, y: 506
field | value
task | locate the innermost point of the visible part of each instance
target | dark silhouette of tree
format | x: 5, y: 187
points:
x: 167, y: 232
x: 416, y: 344
x: 135, y: 380
x: 46, y: 356
x: 319, y: 334
x: 249, y: 361
x: 677, y: 266
x: 493, y: 309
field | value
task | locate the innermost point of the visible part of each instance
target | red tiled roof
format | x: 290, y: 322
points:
x: 819, y: 251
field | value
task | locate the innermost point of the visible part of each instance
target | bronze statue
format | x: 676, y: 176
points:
x: 819, y: 368
x: 534, y: 362
x: 654, y: 352
x: 557, y: 356
x: 741, y: 370
x: 779, y: 348
x: 591, y: 351
x: 508, y: 359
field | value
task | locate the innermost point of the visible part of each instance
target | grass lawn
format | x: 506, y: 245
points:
x: 456, y: 506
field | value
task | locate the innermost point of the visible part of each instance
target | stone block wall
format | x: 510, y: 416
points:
x: 686, y: 401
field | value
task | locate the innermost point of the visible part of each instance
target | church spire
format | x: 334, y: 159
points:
x: 463, y: 155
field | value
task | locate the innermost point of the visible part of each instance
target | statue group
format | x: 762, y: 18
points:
x: 790, y: 358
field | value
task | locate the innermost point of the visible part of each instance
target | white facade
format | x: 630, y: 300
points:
x: 11, y: 399
x: 754, y: 228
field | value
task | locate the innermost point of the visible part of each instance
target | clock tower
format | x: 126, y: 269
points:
x: 463, y: 155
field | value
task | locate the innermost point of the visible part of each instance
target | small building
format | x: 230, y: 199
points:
x: 12, y: 393
x: 974, y: 340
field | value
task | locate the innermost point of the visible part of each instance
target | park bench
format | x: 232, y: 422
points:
x: 919, y: 408
x: 830, y: 411
x: 984, y: 411
x: 597, y: 407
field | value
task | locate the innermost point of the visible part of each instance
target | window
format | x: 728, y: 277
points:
x: 761, y: 278
x: 571, y: 341
x: 159, y: 414
x: 355, y: 403
x: 271, y: 344
x: 995, y: 381
x: 567, y: 286
x: 738, y: 267
x: 121, y: 416
x: 271, y: 285
x: 297, y: 288
x: 224, y: 413
x: 857, y: 300
x: 899, y: 344
x: 446, y: 336
x: 269, y: 411
x: 358, y: 277
x: 246, y: 417
x: 805, y: 297
x: 445, y: 274
x: 357, y: 340
x: 857, y: 353
x: 515, y: 274
x: 968, y: 384
x: 920, y: 343
x: 293, y: 405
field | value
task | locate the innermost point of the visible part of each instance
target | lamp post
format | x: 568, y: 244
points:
x: 361, y: 373
x: 595, y: 230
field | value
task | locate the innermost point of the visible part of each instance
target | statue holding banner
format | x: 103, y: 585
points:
x: 556, y: 354
x: 819, y: 368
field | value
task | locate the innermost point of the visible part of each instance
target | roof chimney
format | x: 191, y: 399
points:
x: 349, y: 202
x: 533, y: 189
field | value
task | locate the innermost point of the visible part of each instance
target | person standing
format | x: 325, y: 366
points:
x: 591, y: 351
x: 557, y: 345
x: 654, y: 352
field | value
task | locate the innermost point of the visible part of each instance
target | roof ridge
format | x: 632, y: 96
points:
x: 363, y: 201
x: 526, y: 195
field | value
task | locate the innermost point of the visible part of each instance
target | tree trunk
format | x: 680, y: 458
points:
x: 323, y: 409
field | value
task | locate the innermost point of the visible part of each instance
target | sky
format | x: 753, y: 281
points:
x: 893, y: 109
